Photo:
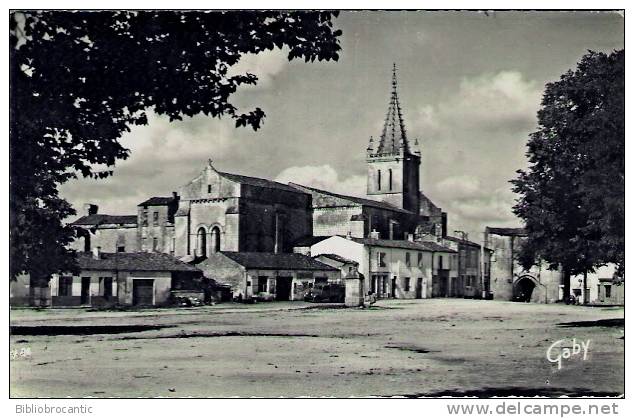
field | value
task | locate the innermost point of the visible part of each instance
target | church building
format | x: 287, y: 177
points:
x: 219, y: 212
x: 395, y: 208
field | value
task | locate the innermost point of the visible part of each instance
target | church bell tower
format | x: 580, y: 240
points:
x: 393, y: 166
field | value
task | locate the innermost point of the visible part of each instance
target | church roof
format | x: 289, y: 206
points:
x: 393, y: 138
x: 100, y: 219
x: 427, y: 206
x: 352, y: 199
x: 158, y: 201
x: 258, y: 182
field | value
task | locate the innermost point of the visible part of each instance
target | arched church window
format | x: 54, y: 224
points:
x: 215, y: 239
x: 378, y: 179
x: 390, y: 178
x: 201, y: 246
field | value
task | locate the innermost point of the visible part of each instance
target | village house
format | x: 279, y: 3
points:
x: 402, y: 269
x: 346, y: 267
x: 155, y: 225
x: 473, y: 265
x: 268, y: 276
x: 112, y: 233
x: 125, y: 279
x: 610, y: 291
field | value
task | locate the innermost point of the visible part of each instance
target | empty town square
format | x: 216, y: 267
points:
x: 394, y: 204
x: 433, y: 347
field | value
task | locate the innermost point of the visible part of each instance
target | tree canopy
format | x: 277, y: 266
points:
x: 572, y: 196
x: 79, y: 80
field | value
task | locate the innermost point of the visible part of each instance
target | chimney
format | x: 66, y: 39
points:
x: 175, y: 195
x: 90, y: 209
x: 374, y: 234
x: 96, y: 253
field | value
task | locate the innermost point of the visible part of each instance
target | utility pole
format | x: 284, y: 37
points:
x: 482, y: 268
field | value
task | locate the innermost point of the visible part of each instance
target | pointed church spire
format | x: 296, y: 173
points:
x: 393, y: 137
x: 416, y: 147
x: 370, y: 145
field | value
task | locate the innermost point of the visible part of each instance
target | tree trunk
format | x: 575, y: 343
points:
x: 566, y: 283
x: 39, y: 291
x: 586, y: 295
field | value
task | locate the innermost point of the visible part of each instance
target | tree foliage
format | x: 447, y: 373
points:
x: 79, y: 80
x: 572, y: 196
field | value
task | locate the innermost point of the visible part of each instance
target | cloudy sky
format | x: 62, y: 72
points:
x: 469, y: 85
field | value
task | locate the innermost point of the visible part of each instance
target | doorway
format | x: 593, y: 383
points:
x: 142, y: 292
x: 107, y: 288
x: 524, y: 289
x: 393, y: 289
x: 283, y: 288
x: 419, y: 288
x: 85, y: 290
x: 444, y: 287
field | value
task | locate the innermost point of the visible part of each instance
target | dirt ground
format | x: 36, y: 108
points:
x: 433, y: 347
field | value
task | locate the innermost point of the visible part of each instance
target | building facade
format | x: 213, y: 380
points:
x: 509, y: 281
x: 268, y: 276
x: 119, y: 278
x: 229, y: 212
x: 219, y: 212
x: 400, y: 269
x: 473, y: 263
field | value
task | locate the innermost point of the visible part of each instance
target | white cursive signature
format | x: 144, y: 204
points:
x: 566, y: 352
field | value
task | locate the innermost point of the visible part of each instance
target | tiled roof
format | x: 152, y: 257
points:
x: 507, y: 231
x: 410, y: 245
x: 464, y: 242
x: 279, y: 261
x: 353, y: 199
x: 434, y: 246
x: 132, y: 262
x: 99, y: 219
x: 309, y: 241
x: 258, y: 182
x: 338, y: 258
x: 158, y: 201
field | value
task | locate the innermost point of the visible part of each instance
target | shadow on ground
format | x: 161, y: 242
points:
x: 488, y: 392
x: 80, y: 330
x: 616, y: 322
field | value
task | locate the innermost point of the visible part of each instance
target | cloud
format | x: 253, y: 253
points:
x: 459, y: 187
x: 324, y: 177
x: 266, y: 65
x: 473, y: 211
x: 164, y: 155
x: 473, y: 141
x: 488, y: 102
